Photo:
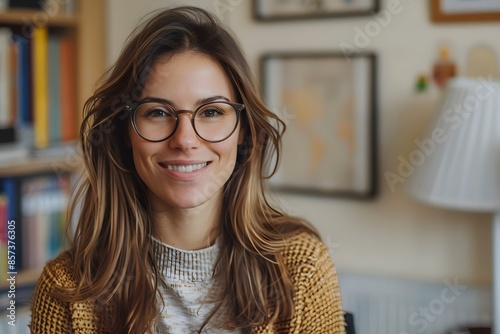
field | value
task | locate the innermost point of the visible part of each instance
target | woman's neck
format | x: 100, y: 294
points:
x: 189, y: 228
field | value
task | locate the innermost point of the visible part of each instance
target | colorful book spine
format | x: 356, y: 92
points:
x: 14, y: 69
x: 54, y: 90
x: 30, y: 78
x: 40, y: 86
x: 38, y: 205
x: 43, y: 210
x: 3, y: 237
x: 68, y: 89
x: 30, y: 228
x: 4, y: 78
x: 9, y: 189
x: 22, y: 80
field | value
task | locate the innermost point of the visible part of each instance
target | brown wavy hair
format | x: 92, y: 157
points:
x: 112, y: 253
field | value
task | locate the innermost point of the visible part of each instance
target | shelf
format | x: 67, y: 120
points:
x: 40, y: 165
x: 20, y: 17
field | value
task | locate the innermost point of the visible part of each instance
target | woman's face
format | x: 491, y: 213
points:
x: 185, y: 171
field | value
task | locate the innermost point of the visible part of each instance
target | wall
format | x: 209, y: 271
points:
x: 392, y: 235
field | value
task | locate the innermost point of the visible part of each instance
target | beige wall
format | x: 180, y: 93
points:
x: 392, y: 235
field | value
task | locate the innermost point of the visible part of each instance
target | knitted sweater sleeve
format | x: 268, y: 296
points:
x: 318, y: 305
x: 49, y: 315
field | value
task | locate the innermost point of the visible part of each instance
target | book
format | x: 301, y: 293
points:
x: 7, y: 135
x: 13, y: 69
x: 5, y: 95
x: 29, y: 4
x: 3, y: 237
x: 9, y: 189
x: 3, y: 217
x: 30, y: 228
x: 40, y: 86
x: 51, y: 7
x: 60, y: 198
x: 54, y: 90
x: 24, y: 119
x: 30, y: 78
x: 68, y: 89
x: 22, y: 79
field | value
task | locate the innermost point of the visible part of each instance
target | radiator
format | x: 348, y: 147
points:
x: 396, y: 306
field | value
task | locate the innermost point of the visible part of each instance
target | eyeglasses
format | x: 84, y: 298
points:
x: 156, y: 121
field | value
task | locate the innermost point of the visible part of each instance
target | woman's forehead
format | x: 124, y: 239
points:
x: 187, y: 75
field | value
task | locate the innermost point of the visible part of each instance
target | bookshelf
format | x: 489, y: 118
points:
x: 86, y: 29
x: 19, y: 17
x: 40, y: 165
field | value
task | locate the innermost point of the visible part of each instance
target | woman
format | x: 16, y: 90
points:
x: 175, y: 234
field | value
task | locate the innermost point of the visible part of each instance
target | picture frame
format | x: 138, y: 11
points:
x: 453, y: 11
x: 329, y: 104
x: 281, y: 10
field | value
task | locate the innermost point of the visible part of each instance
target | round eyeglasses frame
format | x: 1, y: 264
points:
x: 238, y: 107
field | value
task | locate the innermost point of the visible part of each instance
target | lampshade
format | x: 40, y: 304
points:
x: 457, y: 164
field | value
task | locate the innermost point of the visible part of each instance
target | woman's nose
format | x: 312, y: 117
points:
x: 184, y: 138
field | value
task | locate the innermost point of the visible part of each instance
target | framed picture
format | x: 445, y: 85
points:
x: 443, y: 11
x: 328, y: 103
x: 271, y: 10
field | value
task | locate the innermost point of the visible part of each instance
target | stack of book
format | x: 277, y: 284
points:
x: 38, y: 205
x: 37, y: 89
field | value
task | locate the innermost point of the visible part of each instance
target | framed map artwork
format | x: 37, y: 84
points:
x: 328, y: 104
x: 272, y: 10
x: 449, y: 11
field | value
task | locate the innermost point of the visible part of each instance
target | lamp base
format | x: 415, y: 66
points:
x: 496, y: 272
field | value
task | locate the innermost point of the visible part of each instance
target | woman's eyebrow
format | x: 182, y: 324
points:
x: 212, y: 98
x: 199, y: 102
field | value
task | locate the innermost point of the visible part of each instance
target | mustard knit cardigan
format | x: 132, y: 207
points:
x: 318, y: 307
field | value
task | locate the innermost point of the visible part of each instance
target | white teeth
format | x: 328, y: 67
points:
x: 186, y: 168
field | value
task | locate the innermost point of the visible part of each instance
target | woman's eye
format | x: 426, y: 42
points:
x: 153, y: 113
x: 211, y: 112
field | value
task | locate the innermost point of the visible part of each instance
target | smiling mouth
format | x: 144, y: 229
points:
x: 184, y: 168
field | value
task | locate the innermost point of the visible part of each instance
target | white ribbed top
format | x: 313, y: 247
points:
x: 188, y: 276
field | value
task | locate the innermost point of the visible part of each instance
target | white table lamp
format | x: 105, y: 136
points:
x: 461, y: 169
